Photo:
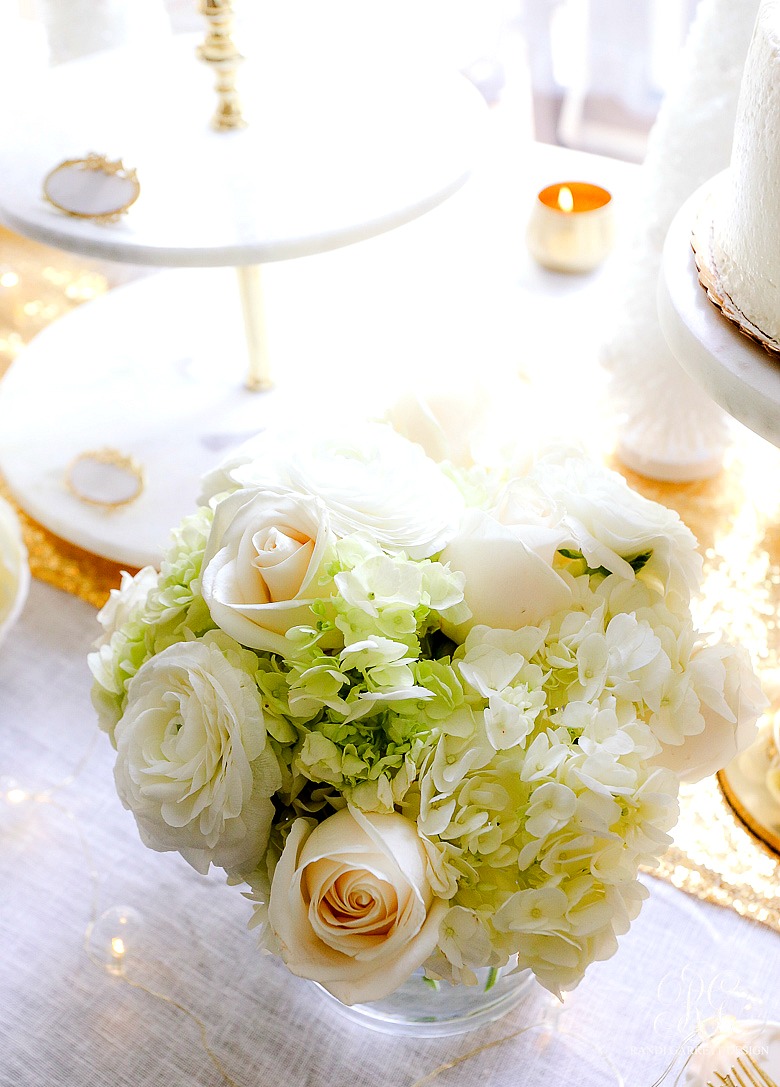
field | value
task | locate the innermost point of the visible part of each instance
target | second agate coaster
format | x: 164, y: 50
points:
x: 705, y: 252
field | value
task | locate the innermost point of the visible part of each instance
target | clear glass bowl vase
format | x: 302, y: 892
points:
x: 428, y: 1009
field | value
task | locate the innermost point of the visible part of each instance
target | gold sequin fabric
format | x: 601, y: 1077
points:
x: 716, y: 859
x: 37, y: 285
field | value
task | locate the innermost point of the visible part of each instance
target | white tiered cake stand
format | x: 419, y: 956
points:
x: 744, y: 379
x: 336, y: 150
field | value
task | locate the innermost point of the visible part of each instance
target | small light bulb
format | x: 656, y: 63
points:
x: 112, y: 941
x: 12, y: 792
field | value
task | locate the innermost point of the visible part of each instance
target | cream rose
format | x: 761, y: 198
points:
x: 351, y: 906
x: 369, y: 477
x: 510, y: 582
x: 193, y: 764
x: 731, y: 703
x: 14, y: 571
x: 262, y: 564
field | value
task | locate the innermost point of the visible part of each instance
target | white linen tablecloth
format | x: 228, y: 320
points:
x: 66, y: 1022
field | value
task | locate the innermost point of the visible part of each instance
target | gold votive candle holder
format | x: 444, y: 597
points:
x: 572, y: 227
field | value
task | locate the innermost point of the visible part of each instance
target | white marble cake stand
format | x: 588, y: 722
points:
x: 333, y: 153
x: 744, y: 379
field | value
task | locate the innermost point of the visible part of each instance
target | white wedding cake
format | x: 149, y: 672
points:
x: 746, y: 224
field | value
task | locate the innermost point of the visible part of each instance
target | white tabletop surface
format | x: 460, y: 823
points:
x: 318, y: 165
x: 468, y: 299
x: 736, y: 372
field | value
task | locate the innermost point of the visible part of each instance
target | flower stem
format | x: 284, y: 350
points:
x: 492, y: 978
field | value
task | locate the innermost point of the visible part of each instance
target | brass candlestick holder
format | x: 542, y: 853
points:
x: 220, y: 51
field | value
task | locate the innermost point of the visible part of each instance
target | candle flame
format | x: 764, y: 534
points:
x: 117, y: 947
x: 565, y: 199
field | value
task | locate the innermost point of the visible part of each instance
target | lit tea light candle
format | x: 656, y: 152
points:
x: 571, y: 227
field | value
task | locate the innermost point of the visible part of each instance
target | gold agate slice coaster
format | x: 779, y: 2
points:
x: 105, y: 478
x: 92, y: 188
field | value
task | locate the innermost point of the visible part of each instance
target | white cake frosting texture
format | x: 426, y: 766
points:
x: 746, y: 230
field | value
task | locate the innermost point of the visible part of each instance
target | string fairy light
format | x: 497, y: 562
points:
x: 112, y: 942
x: 541, y: 1024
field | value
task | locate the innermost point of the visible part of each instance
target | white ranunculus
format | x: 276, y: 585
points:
x: 258, y: 457
x: 731, y: 703
x: 351, y: 906
x: 510, y: 582
x: 193, y: 763
x: 14, y: 570
x: 606, y: 520
x: 445, y: 421
x: 370, y: 478
x: 123, y: 601
x: 262, y: 565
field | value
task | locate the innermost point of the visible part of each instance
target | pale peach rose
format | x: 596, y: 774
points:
x: 351, y: 906
x: 262, y: 565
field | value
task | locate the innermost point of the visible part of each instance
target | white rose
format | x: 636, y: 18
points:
x: 193, y: 764
x: 606, y: 520
x: 122, y: 602
x: 14, y: 571
x: 351, y: 906
x: 731, y: 703
x: 510, y: 582
x: 370, y: 478
x: 262, y: 564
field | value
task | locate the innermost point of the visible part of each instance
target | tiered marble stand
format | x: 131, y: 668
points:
x: 745, y: 380
x: 333, y: 153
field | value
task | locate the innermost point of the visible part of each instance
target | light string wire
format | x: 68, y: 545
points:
x: 45, y: 797
x: 544, y: 1022
x: 673, y: 1061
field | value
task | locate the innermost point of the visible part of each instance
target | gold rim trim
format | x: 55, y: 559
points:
x: 766, y: 836
x: 97, y: 164
x: 113, y: 458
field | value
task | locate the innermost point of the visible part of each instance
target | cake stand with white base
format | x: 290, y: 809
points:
x: 744, y: 378
x: 338, y: 148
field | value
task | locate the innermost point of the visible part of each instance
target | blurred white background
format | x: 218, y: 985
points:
x: 593, y: 71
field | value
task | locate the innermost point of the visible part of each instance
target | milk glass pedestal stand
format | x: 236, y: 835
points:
x: 745, y: 380
x: 337, y: 149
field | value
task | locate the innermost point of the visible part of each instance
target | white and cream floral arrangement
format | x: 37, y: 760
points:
x: 428, y: 717
x: 14, y: 568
